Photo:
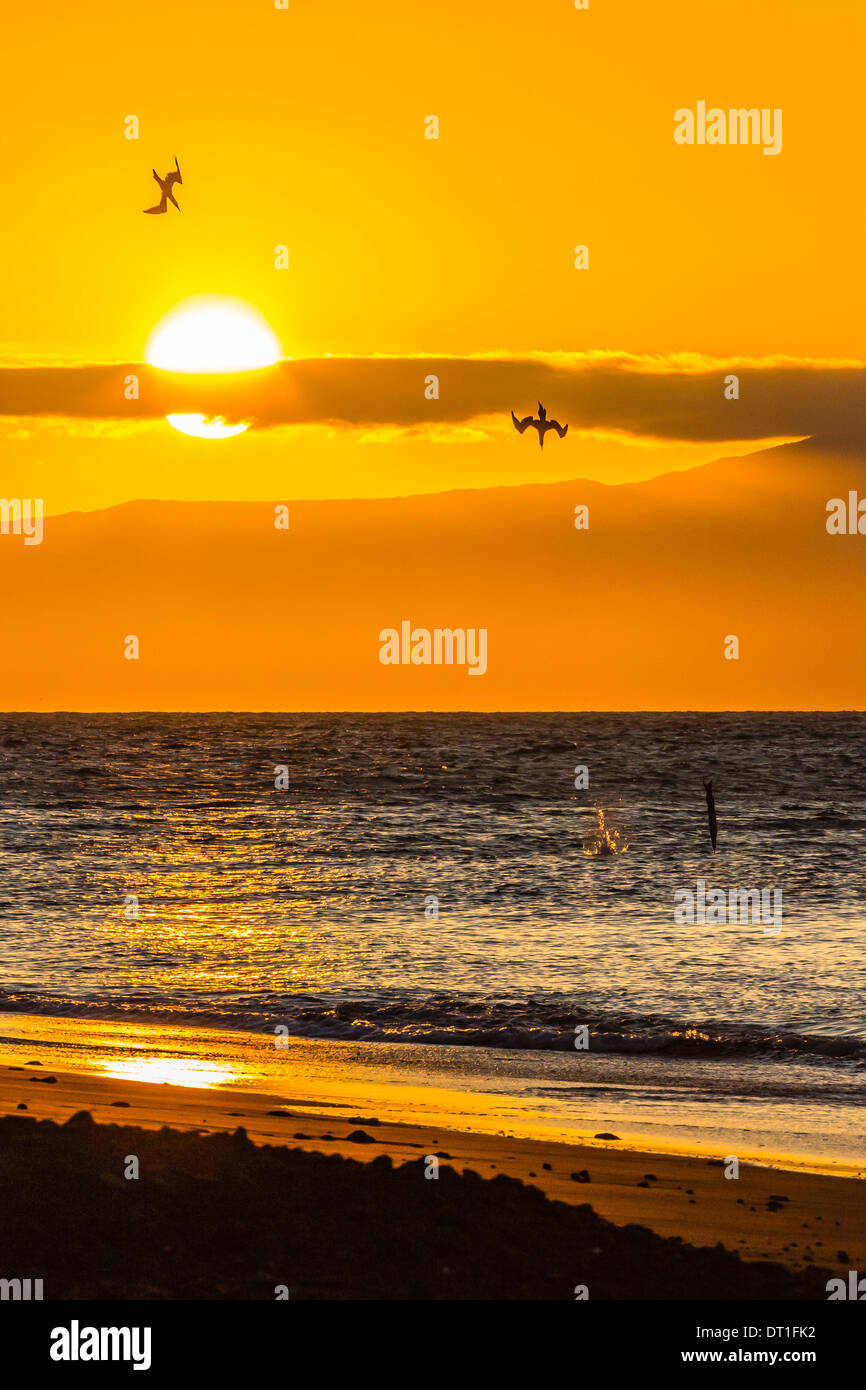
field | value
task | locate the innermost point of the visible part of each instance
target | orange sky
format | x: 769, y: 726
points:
x: 306, y: 128
x: 632, y: 613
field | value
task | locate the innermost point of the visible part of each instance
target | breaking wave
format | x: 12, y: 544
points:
x: 544, y: 1024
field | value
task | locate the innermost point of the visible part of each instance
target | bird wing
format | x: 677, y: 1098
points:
x: 521, y: 425
x: 161, y: 205
x: 711, y: 811
x: 173, y: 199
x: 561, y: 430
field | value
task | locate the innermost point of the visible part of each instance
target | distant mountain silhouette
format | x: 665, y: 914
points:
x: 631, y: 613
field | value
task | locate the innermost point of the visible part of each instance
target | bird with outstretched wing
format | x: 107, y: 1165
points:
x: 166, y: 185
x: 542, y: 424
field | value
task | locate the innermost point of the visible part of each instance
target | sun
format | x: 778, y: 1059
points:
x: 211, y: 334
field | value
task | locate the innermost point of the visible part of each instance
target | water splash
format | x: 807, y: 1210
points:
x: 606, y: 839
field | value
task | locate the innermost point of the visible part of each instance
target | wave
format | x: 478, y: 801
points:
x: 545, y: 1024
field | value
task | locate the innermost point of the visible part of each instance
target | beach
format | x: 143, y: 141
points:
x: 418, y: 955
x: 796, y: 1220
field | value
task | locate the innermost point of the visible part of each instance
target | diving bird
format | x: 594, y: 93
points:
x: 542, y: 424
x: 711, y: 811
x: 165, y: 186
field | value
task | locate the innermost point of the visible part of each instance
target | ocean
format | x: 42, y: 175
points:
x: 427, y: 890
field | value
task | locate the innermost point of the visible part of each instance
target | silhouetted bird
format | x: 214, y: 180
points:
x: 711, y: 811
x: 166, y: 186
x: 542, y: 424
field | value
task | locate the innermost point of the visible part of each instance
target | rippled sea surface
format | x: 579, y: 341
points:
x: 311, y: 906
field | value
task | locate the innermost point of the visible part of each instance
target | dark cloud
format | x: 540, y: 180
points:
x: 665, y: 399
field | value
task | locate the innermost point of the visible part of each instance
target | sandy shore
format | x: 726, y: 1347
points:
x: 797, y: 1219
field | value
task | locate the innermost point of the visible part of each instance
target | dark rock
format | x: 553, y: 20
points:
x: 359, y: 1137
x: 266, y: 1214
x: 582, y: 1176
x: 121, y: 1104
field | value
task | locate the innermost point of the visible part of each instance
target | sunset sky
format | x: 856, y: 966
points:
x: 306, y: 128
x: 454, y: 257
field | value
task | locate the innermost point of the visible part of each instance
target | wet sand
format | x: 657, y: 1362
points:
x: 796, y: 1219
